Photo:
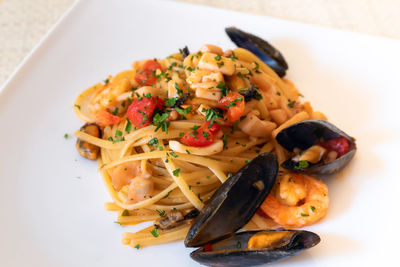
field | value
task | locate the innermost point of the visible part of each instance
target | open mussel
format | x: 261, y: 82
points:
x: 319, y: 147
x: 261, y: 48
x: 230, y: 208
x: 86, y: 149
x: 255, y: 248
x: 235, y: 201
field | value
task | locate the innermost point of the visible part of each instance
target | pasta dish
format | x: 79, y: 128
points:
x: 168, y: 132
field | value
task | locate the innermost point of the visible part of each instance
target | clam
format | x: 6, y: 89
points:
x: 261, y: 48
x: 319, y: 147
x: 86, y: 149
x: 230, y: 208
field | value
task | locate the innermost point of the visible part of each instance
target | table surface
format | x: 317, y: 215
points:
x: 23, y: 23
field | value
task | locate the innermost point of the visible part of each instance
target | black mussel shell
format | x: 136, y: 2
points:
x: 235, y: 201
x: 185, y: 52
x: 233, y: 251
x: 305, y: 134
x: 261, y: 48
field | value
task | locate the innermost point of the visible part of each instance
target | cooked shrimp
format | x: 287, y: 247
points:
x: 140, y: 188
x: 106, y: 97
x: 299, y: 200
x: 124, y: 173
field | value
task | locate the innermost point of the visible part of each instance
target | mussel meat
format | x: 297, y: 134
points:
x: 174, y: 218
x: 261, y: 48
x: 255, y: 248
x: 319, y: 147
x: 86, y: 149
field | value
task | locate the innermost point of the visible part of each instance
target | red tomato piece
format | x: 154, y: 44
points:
x: 207, y: 247
x: 151, y: 65
x: 340, y: 145
x: 140, y: 112
x: 105, y: 118
x: 234, y: 104
x: 198, y: 138
x: 203, y: 136
x: 146, y: 76
x: 214, y: 127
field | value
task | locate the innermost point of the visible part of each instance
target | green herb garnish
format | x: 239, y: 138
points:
x: 176, y: 172
x: 154, y: 232
x: 125, y: 213
x: 302, y: 164
x: 160, y: 212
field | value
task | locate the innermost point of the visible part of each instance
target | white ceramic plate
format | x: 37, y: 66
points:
x: 51, y: 200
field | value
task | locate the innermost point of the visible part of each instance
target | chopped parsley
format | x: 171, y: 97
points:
x: 187, y: 151
x: 192, y: 134
x: 194, y: 128
x: 185, y: 111
x: 176, y: 172
x: 137, y: 246
x: 302, y: 164
x: 223, y: 88
x: 125, y: 213
x: 211, y: 115
x: 180, y: 92
x: 66, y: 136
x: 304, y: 215
x: 153, y: 141
x: 106, y: 81
x: 218, y: 57
x: 115, y: 112
x: 278, y: 93
x: 233, y: 103
x: 148, y: 95
x: 291, y: 103
x: 312, y: 208
x: 181, y: 134
x: 173, y: 154
x: 220, y: 64
x: 225, y: 140
x: 205, y: 134
x: 171, y: 102
x: 120, y: 139
x: 233, y: 56
x: 229, y: 175
x: 118, y: 133
x: 198, y: 195
x: 160, y: 212
x: 160, y: 121
x: 154, y: 232
x: 256, y: 69
x: 128, y: 126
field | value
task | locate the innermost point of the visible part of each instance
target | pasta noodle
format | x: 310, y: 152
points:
x: 169, y: 140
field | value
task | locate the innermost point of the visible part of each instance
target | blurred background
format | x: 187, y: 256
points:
x: 23, y: 23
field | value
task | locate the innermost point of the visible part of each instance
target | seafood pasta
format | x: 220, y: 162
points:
x: 168, y: 132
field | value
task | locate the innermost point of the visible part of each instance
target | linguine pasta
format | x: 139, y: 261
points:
x: 167, y: 168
